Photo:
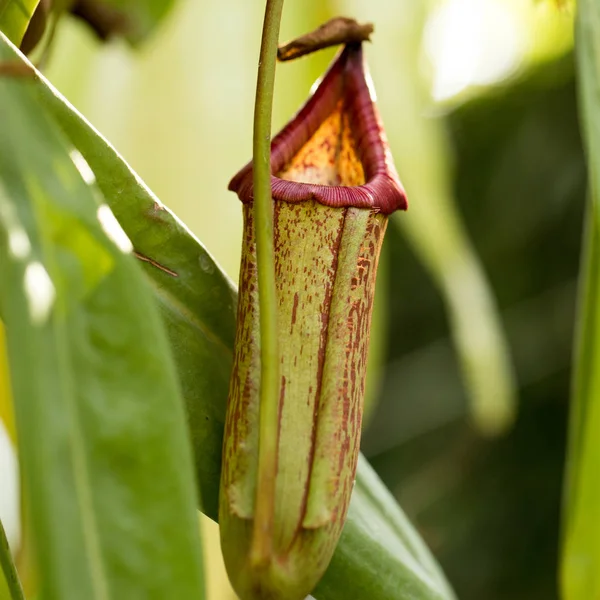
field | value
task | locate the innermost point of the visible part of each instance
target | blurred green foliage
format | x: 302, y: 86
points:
x: 15, y: 16
x: 490, y: 509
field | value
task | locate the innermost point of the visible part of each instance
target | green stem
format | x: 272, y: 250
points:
x: 269, y: 351
x: 8, y: 568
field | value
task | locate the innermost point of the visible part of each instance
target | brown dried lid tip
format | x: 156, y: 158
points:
x: 345, y: 89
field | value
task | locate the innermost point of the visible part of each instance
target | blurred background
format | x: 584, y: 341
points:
x: 469, y: 381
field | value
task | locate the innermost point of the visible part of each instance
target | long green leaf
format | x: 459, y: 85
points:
x: 15, y: 16
x: 134, y: 19
x: 10, y: 586
x: 102, y: 438
x: 581, y: 517
x: 380, y: 556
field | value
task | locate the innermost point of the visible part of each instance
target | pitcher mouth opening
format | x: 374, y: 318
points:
x: 350, y: 166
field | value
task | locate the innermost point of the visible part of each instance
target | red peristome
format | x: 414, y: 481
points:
x: 347, y: 80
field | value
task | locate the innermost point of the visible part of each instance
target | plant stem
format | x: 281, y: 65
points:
x: 7, y: 567
x: 269, y: 352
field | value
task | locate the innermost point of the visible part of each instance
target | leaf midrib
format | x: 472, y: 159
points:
x: 76, y: 444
